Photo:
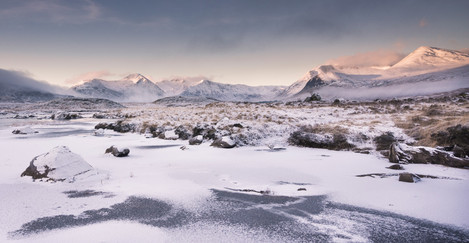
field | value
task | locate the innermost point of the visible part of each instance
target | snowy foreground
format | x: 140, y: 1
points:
x: 205, y: 194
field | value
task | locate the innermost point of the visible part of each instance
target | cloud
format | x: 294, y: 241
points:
x: 87, y: 76
x: 423, y: 22
x: 15, y: 80
x: 368, y: 59
x: 190, y: 78
x: 59, y: 12
x: 465, y: 50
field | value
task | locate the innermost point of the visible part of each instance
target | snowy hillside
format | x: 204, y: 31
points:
x: 232, y: 92
x: 132, y: 88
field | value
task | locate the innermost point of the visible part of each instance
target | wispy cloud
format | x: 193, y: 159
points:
x: 17, y: 80
x: 54, y: 11
x: 423, y: 22
x: 368, y: 59
x: 88, y: 76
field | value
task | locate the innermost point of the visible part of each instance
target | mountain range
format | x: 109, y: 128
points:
x: 426, y: 70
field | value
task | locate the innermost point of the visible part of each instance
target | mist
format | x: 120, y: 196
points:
x: 394, y: 91
x: 20, y: 81
x: 368, y: 59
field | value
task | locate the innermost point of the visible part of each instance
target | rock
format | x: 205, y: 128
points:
x: 59, y: 164
x: 459, y: 152
x: 208, y: 132
x: 301, y: 189
x: 456, y: 135
x: 401, y: 153
x: 65, y: 116
x: 182, y: 133
x: 99, y: 132
x: 384, y: 141
x: 408, y: 177
x: 122, y: 127
x: 395, y: 167
x: 197, y: 140
x: 99, y: 116
x: 326, y: 141
x: 118, y: 126
x: 170, y: 135
x: 238, y: 125
x: 26, y: 130
x: 118, y: 152
x: 224, y: 142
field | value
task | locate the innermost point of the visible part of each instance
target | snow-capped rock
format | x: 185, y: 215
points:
x: 170, y: 135
x: 25, y: 130
x: 59, y: 164
x: 224, y: 142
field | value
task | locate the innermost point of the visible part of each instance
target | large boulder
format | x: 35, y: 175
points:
x: 59, y: 164
x: 402, y: 153
x: 224, y: 142
x: 117, y: 152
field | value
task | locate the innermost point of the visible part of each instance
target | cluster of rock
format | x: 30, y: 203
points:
x: 335, y: 141
x: 221, y: 136
x: 24, y: 131
x: 65, y: 116
x: 119, y: 126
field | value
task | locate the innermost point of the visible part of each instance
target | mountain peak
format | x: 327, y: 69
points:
x: 136, y: 78
x: 433, y: 57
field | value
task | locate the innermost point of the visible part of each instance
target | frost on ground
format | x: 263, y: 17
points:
x: 263, y: 190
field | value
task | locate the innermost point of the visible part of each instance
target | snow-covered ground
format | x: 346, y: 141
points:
x: 161, y: 192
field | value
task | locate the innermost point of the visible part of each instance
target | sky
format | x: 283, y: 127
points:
x: 229, y: 41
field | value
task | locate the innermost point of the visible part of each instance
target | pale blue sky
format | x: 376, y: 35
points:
x: 250, y: 42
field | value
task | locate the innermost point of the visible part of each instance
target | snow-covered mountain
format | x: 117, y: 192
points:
x: 175, y: 86
x: 232, y: 92
x: 425, y: 64
x: 132, y: 88
x: 425, y: 58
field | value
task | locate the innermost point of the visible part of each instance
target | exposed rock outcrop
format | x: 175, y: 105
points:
x: 401, y: 153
